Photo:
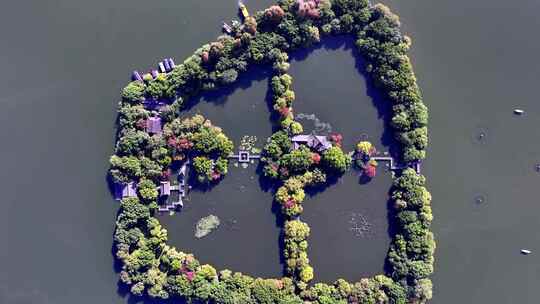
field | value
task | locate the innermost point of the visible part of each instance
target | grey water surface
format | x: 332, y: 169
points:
x: 65, y: 62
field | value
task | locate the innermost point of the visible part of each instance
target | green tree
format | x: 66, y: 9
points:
x: 126, y: 168
x: 203, y: 167
x: 147, y: 190
x: 229, y: 76
x: 296, y: 230
x: 336, y: 161
x: 298, y: 160
x: 134, y: 92
x: 132, y: 142
x: 160, y: 87
x: 306, y: 274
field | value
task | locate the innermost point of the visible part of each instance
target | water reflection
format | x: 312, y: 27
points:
x: 364, y: 136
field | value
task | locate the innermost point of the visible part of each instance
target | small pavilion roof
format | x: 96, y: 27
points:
x: 320, y: 143
x: 165, y: 188
x: 153, y: 125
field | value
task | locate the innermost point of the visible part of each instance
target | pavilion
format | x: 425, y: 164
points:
x: 319, y: 143
x: 122, y: 191
x: 153, y: 125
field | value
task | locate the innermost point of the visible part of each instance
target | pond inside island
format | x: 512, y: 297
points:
x: 348, y: 218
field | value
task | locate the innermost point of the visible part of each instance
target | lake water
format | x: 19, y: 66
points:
x: 64, y: 63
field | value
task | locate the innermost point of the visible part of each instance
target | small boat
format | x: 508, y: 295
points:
x: 243, y: 9
x: 161, y: 67
x: 167, y: 65
x: 525, y: 251
x: 227, y: 28
x: 136, y: 76
x: 519, y: 111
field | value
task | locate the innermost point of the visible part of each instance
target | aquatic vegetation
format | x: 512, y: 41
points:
x: 248, y: 143
x: 151, y: 267
x: 359, y: 224
x: 206, y: 225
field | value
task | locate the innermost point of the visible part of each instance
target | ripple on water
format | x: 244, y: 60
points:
x: 480, y: 199
x: 480, y: 135
x: 364, y: 136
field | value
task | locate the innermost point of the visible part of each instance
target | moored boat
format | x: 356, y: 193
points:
x: 243, y: 9
x: 227, y: 28
x: 136, y: 76
x: 161, y: 67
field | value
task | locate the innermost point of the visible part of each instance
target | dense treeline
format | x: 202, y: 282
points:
x: 151, y: 267
x: 413, y: 245
x: 385, y: 50
x: 198, y: 139
x: 297, y: 168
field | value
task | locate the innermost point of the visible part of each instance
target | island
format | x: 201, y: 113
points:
x: 154, y: 142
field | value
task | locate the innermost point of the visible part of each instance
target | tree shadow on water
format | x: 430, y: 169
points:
x: 132, y: 299
x: 380, y: 102
x: 221, y: 95
x: 364, y: 179
x: 392, y: 229
x: 328, y: 43
x: 269, y: 185
x: 331, y: 180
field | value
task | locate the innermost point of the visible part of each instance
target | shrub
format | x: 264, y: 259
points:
x: 147, y: 190
x: 204, y: 167
x: 134, y: 92
x: 336, y: 161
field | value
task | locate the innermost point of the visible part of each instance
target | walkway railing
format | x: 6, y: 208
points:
x: 394, y: 165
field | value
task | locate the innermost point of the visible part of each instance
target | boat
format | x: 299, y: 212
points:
x: 243, y: 9
x: 519, y: 111
x: 227, y: 28
x: 136, y: 76
x: 171, y: 63
x: 525, y: 251
x: 167, y: 65
x: 161, y: 67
